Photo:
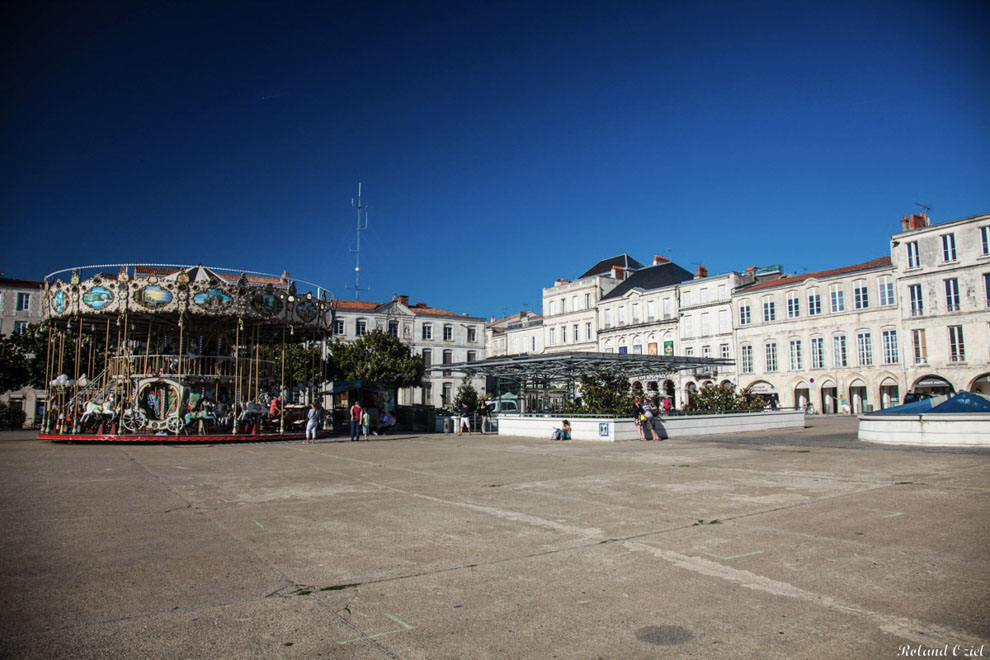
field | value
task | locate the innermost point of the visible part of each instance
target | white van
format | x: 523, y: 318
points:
x: 497, y: 406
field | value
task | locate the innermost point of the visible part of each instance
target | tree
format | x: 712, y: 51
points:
x: 604, y: 393
x: 379, y: 357
x: 718, y: 398
x: 14, y: 370
x: 302, y: 363
x: 466, y: 394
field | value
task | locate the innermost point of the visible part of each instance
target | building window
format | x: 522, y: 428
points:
x: 986, y: 287
x: 948, y: 247
x: 861, y: 295
x: 651, y: 309
x: 532, y: 342
x: 886, y: 286
x: 448, y: 332
x: 428, y: 331
x: 920, y: 346
x: 957, y: 348
x: 796, y: 355
x: 448, y: 358
x: 563, y: 306
x: 20, y: 326
x: 769, y: 310
x: 890, y: 347
x: 747, y: 359
x: 913, y: 260
x: 706, y: 324
x: 472, y: 334
x: 553, y: 336
x: 587, y: 331
x: 608, y: 317
x: 917, y: 306
x: 814, y: 302
x: 472, y: 356
x: 393, y: 328
x: 574, y: 330
x: 23, y: 302
x: 952, y: 295
x: 427, y: 394
x: 985, y: 239
x: 445, y: 397
x: 338, y: 326
x: 793, y: 305
x: 836, y: 296
x: 587, y: 301
x: 360, y: 327
x: 744, y: 315
x: 771, y: 353
x: 864, y: 349
x: 550, y: 308
x: 563, y: 334
x: 574, y: 303
x: 706, y: 351
x: 620, y: 317
x: 635, y: 312
x: 723, y: 351
x: 817, y: 352
x: 427, y: 358
x: 839, y: 349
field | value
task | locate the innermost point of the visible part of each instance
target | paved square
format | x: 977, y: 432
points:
x: 784, y: 544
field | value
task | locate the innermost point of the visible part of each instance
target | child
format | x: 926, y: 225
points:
x: 365, y: 423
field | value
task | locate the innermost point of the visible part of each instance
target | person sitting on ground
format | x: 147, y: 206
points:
x: 564, y: 432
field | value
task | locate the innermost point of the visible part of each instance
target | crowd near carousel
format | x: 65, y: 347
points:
x: 178, y: 353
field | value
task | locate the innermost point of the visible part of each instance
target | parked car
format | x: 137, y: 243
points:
x: 911, y: 397
x: 497, y: 406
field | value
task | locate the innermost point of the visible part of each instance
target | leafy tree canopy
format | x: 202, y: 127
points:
x: 716, y: 398
x: 466, y: 394
x: 379, y: 357
x: 604, y: 393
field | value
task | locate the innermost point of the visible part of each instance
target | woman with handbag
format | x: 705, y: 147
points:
x: 639, y: 414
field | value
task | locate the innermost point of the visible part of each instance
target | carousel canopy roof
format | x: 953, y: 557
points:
x: 567, y: 366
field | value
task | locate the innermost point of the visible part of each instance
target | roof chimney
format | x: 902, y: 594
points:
x: 618, y: 273
x: 914, y: 221
x: 404, y: 300
x: 751, y: 270
x: 657, y: 260
x: 701, y: 272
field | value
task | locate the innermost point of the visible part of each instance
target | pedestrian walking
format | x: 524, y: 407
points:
x: 484, y: 412
x: 465, y: 419
x: 639, y: 417
x: 650, y: 412
x: 365, y: 423
x: 312, y: 423
x: 356, y: 421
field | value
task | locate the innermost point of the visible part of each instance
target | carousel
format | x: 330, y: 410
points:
x: 156, y: 353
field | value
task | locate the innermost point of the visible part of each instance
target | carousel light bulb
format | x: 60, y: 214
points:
x: 292, y: 330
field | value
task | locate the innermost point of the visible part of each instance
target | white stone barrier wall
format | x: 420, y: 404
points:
x: 608, y: 429
x: 945, y: 430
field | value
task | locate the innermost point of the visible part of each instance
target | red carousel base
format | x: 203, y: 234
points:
x: 171, y: 438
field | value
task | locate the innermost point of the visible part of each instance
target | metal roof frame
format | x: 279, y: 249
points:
x: 570, y: 366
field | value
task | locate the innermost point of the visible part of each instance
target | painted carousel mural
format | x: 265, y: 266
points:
x: 163, y: 352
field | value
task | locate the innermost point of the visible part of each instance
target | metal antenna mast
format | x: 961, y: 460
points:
x: 358, y: 206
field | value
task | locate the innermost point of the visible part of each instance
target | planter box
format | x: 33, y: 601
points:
x: 936, y: 430
x: 609, y: 429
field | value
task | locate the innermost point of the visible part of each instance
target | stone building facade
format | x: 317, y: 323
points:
x: 844, y: 340
x: 21, y: 305
x: 441, y: 337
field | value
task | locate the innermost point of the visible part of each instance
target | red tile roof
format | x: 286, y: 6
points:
x: 880, y: 262
x: 355, y: 305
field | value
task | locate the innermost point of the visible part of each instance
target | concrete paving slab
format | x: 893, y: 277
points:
x: 494, y: 547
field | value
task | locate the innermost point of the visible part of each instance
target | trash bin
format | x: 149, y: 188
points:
x: 448, y: 424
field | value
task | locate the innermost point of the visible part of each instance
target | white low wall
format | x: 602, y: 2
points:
x: 608, y: 429
x: 940, y: 430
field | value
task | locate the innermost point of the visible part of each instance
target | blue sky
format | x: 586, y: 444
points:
x: 500, y: 145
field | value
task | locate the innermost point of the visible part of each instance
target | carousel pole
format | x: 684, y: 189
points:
x: 75, y: 382
x: 237, y: 351
x: 106, y: 357
x: 281, y: 389
x: 117, y: 372
x: 257, y: 364
x: 46, y: 420
x: 178, y: 377
x: 147, y: 350
x: 61, y: 362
